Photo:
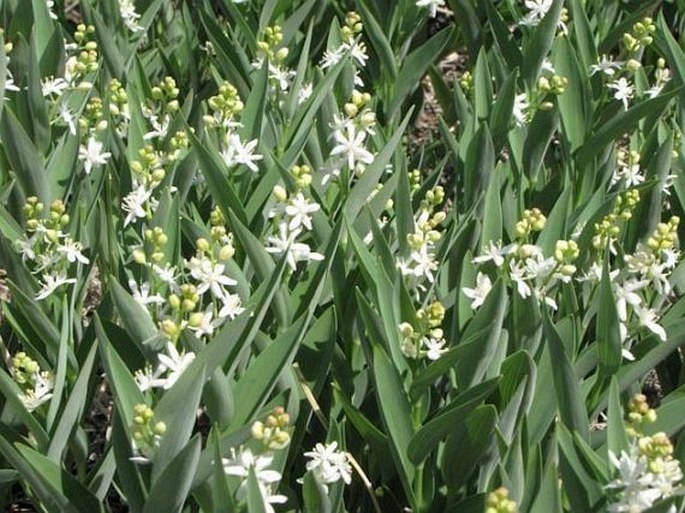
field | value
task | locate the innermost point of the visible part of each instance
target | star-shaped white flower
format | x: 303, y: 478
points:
x: 92, y: 155
x: 480, y: 291
x: 351, y: 146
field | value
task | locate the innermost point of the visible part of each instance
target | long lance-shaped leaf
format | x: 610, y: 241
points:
x: 170, y: 491
x: 621, y: 124
x: 396, y: 412
x: 367, y: 183
x: 539, y: 43
x: 414, y: 67
x: 24, y: 158
x: 566, y: 385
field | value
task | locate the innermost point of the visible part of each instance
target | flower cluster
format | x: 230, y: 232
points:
x: 350, y: 34
x: 269, y: 49
x: 146, y: 433
x: 225, y: 108
x: 328, y: 464
x: 619, y: 73
x: 36, y: 385
x: 292, y: 218
x: 525, y: 265
x: 647, y: 471
x: 421, y: 261
x: 267, y: 435
x: 49, y: 251
x: 424, y: 337
x: 498, y: 502
x: 548, y: 85
x: 129, y: 16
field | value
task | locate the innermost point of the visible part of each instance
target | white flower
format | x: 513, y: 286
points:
x: 205, y: 326
x: 331, y: 57
x: 53, y: 86
x: 281, y: 76
x: 52, y: 282
x: 434, y: 347
x: 647, y: 318
x: 358, y: 52
x: 329, y: 464
x: 630, y: 173
x: 495, y: 252
x: 520, y: 110
x: 624, y: 90
x: 236, y: 153
x: 134, y: 204
x: 147, y: 380
x: 174, y: 362
x: 167, y: 274
x: 432, y: 6
x: 351, y: 145
x: 92, y: 155
x: 142, y: 294
x: 51, y: 5
x: 41, y: 393
x: 72, y: 251
x: 304, y: 93
x: 537, y: 11
x: 159, y: 128
x: 626, y: 295
x: 517, y: 273
x: 67, y: 118
x: 300, y: 209
x: 231, y: 306
x: 239, y: 465
x: 210, y: 275
x: 423, y: 263
x: 295, y: 251
x: 129, y: 15
x: 480, y: 291
x: 606, y: 66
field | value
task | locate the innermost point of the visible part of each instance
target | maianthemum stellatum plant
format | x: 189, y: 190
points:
x: 233, y: 279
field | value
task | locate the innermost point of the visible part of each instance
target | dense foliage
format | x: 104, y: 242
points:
x: 236, y: 276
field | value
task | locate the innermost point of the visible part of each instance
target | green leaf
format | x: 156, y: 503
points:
x: 539, y: 43
x: 24, y: 158
x: 125, y: 390
x: 170, y: 491
x: 378, y: 40
x: 566, y: 384
x: 362, y: 190
x: 467, y: 445
x: 622, y: 123
x: 617, y: 440
x: 480, y: 163
x: 573, y: 104
x: 215, y: 172
x: 73, y: 410
x: 609, y: 346
x: 177, y: 409
x: 540, y: 133
x: 79, y: 497
x: 482, y: 86
x: 396, y: 413
x: 134, y: 317
x: 254, y: 387
x: 414, y: 68
x: 255, y: 500
x: 477, y: 355
x: 435, y: 430
x: 500, y: 118
x: 314, y: 495
x: 38, y: 107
